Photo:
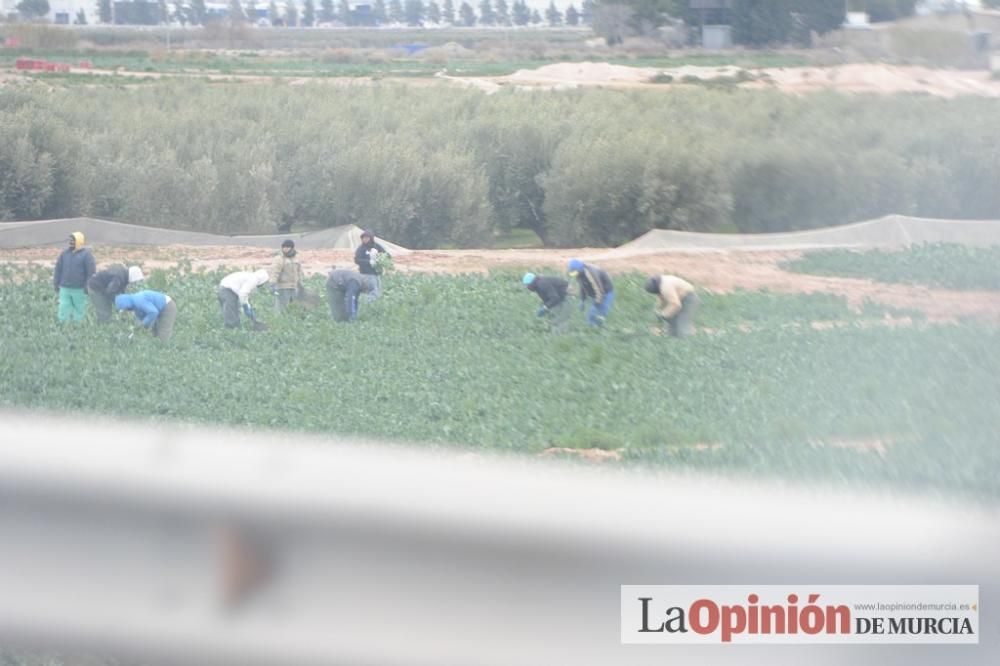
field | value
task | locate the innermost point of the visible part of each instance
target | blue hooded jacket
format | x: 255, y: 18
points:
x: 147, y: 305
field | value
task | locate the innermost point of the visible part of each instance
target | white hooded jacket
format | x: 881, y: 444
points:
x: 244, y: 282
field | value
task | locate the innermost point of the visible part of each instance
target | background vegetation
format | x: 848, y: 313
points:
x: 773, y: 393
x: 432, y: 166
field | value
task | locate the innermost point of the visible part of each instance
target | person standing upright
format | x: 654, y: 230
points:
x: 366, y: 257
x: 73, y: 270
x: 286, y: 275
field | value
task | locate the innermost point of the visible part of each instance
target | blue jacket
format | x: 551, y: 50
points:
x: 147, y: 305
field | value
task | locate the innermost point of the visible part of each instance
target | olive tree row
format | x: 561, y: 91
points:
x: 438, y: 166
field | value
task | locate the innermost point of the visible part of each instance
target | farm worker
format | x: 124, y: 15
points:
x: 552, y: 291
x: 676, y: 302
x: 595, y: 285
x: 73, y: 269
x: 234, y: 294
x: 342, y: 289
x: 155, y: 310
x: 286, y: 275
x: 104, y: 285
x: 365, y: 257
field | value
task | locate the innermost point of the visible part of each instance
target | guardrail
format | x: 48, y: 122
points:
x: 189, y: 545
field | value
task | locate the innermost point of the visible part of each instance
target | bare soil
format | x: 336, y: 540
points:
x: 857, y: 77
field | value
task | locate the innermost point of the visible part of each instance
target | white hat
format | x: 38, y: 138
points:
x: 135, y: 274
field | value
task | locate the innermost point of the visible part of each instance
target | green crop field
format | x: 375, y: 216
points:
x: 462, y: 360
x: 934, y: 264
x: 345, y: 62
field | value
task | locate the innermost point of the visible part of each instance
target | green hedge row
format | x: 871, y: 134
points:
x: 432, y: 166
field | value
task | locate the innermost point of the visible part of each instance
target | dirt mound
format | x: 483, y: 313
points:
x: 583, y: 72
x: 872, y: 78
x: 881, y: 79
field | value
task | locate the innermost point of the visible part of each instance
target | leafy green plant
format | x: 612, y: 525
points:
x: 934, y: 264
x: 459, y: 360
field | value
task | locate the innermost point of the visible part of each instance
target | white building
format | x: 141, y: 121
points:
x: 60, y: 11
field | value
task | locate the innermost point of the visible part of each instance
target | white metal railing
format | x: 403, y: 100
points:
x: 190, y: 545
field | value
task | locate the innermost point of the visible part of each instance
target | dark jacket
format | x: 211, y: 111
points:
x: 594, y: 283
x: 362, y: 260
x: 112, y: 280
x: 551, y: 290
x: 73, y: 269
x: 344, y: 279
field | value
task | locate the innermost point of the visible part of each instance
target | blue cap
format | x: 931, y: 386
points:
x: 528, y: 278
x: 575, y: 265
x: 123, y: 301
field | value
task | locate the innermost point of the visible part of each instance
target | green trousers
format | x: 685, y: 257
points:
x: 72, y: 303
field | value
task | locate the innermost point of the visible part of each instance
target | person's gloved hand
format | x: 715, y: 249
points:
x: 542, y: 311
x: 247, y: 310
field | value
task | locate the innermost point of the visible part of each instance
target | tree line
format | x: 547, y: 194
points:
x: 754, y: 22
x: 307, y: 13
x: 430, y: 167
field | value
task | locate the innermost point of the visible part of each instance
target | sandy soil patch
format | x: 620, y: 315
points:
x: 861, y: 78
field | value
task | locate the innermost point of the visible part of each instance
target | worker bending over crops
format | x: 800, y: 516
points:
x: 367, y: 259
x: 286, y: 275
x: 156, y: 311
x: 552, y: 291
x: 234, y: 294
x: 73, y: 269
x: 596, y: 288
x: 676, y: 302
x: 104, y: 285
x: 342, y: 289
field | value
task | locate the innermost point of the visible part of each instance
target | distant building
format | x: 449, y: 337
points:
x: 715, y: 21
x: 136, y: 12
x: 363, y: 15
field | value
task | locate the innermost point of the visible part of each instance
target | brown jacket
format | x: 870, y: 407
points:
x: 285, y: 273
x: 672, y: 291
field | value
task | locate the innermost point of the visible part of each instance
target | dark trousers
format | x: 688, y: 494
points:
x: 285, y: 296
x: 343, y: 300
x: 102, y: 301
x: 681, y: 323
x: 230, y: 303
x: 163, y: 327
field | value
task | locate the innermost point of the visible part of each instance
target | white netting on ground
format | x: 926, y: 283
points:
x: 105, y: 232
x: 886, y: 232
